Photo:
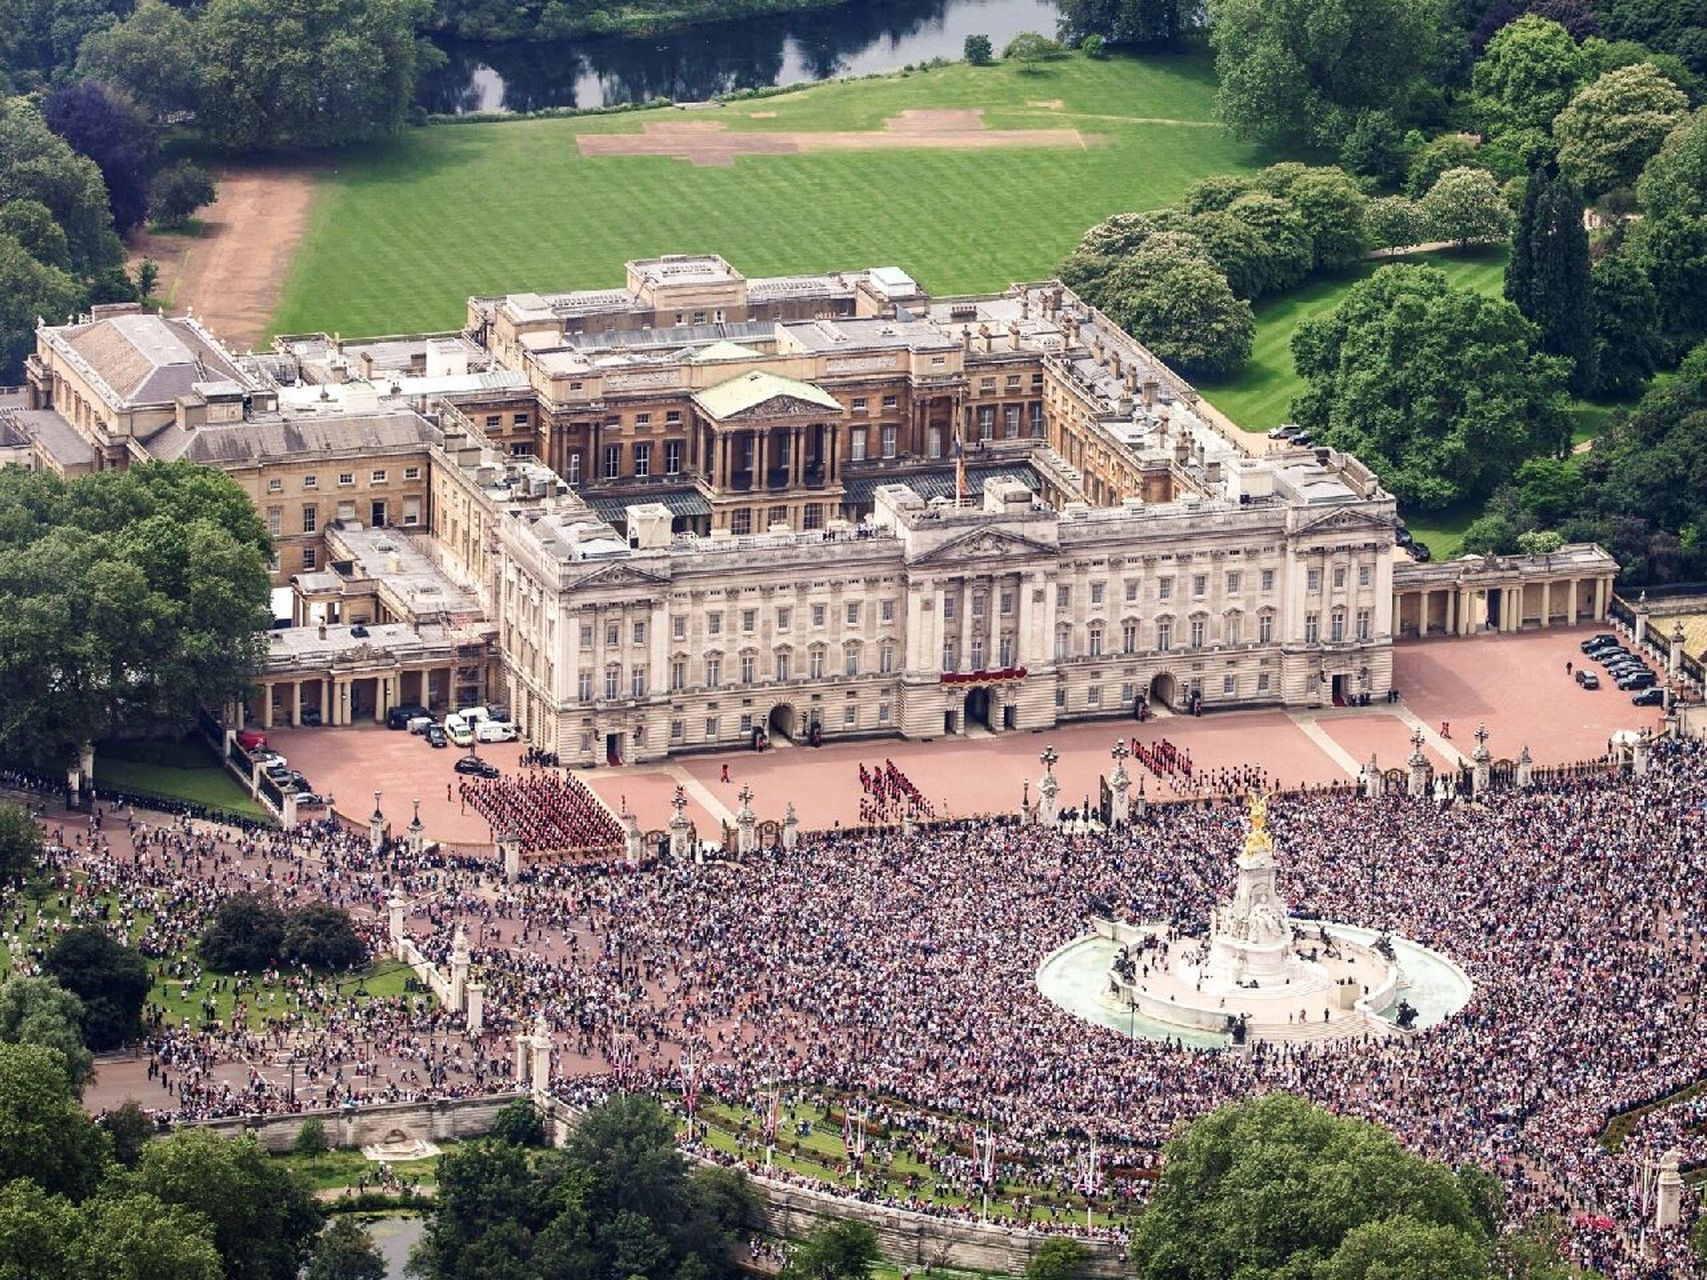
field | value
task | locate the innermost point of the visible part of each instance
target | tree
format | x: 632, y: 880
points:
x: 519, y: 1123
x: 28, y: 289
x: 1147, y: 25
x: 1489, y: 535
x: 1670, y: 241
x: 1612, y: 128
x: 245, y: 935
x: 311, y: 1139
x: 305, y: 74
x: 264, y: 1221
x: 37, y: 164
x: 111, y: 132
x: 1449, y: 151
x: 131, y: 1235
x: 40, y: 1011
x: 346, y: 1252
x: 20, y: 844
x: 1333, y: 208
x: 1438, y: 389
x: 132, y: 598
x: 1548, y: 275
x: 1526, y: 75
x: 1539, y: 542
x: 1628, y: 348
x: 178, y: 191
x: 1405, y: 1247
x: 44, y: 1134
x: 111, y: 979
x: 147, y: 276
x: 1287, y: 247
x: 1395, y: 222
x: 151, y: 55
x: 978, y: 50
x: 1237, y: 249
x: 1217, y: 191
x: 1466, y: 207
x: 130, y: 1131
x: 843, y: 1249
x: 1094, y: 47
x: 38, y: 1233
x: 1299, y: 71
x: 1029, y: 48
x: 1548, y: 490
x: 1182, y: 308
x: 1057, y: 1258
x: 31, y: 224
x: 1375, y: 148
x: 322, y: 936
x: 1275, y: 1186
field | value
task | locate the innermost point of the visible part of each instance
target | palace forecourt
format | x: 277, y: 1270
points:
x: 699, y: 511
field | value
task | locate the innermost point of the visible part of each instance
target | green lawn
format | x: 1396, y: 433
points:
x: 1442, y: 531
x: 1261, y: 395
x: 401, y: 234
x: 183, y: 769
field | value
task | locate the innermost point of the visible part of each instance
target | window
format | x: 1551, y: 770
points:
x: 1232, y: 627
x: 1229, y: 685
x: 933, y: 442
x: 886, y: 611
x: 411, y: 511
x: 1268, y: 579
x: 850, y: 660
x: 637, y: 682
x: 950, y: 654
x: 1096, y: 642
x: 613, y: 678
x: 1007, y: 604
x: 642, y: 419
x: 977, y: 653
x: 714, y: 623
x: 856, y: 444
x: 639, y: 633
x: 1164, y: 636
x: 672, y: 416
x: 1063, y: 642
x: 817, y: 615
x: 643, y: 459
x: 678, y: 676
x: 859, y: 404
x: 584, y: 686
x: 1093, y: 696
x: 275, y: 521
x: 1129, y: 637
x: 1006, y: 651
x: 411, y: 473
x: 883, y: 707
x: 979, y: 604
x: 613, y: 635
x: 749, y: 666
x: 778, y: 515
x: 888, y: 402
x: 850, y: 716
x: 1265, y: 628
x: 494, y: 421
x: 613, y: 461
x: 310, y: 518
x: 574, y: 469
x: 749, y: 621
x: 1197, y: 630
x: 782, y: 664
x: 586, y: 635
x: 784, y: 617
x: 678, y: 730
x: 986, y: 384
x: 950, y: 604
x: 986, y: 421
x: 1336, y: 626
x: 1060, y: 697
x: 310, y: 558
x: 746, y: 725
x: 1313, y: 580
x: 1010, y: 420
x: 275, y: 485
x: 1131, y: 591
x: 741, y: 521
x: 310, y: 482
x: 1262, y: 682
x: 853, y: 613
x: 679, y: 627
x: 711, y: 728
x: 812, y: 516
x: 1096, y: 592
x: 672, y: 457
x: 1037, y: 419
x: 1363, y: 624
x: 379, y: 477
x: 713, y: 672
x: 1339, y: 578
x: 1312, y: 627
x: 1164, y: 588
x: 1233, y: 583
x: 815, y: 664
x: 346, y: 477
x: 1200, y: 585
x: 1013, y: 382
x: 889, y: 440
x: 1063, y: 597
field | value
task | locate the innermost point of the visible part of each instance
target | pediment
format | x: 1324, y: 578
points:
x: 1345, y: 519
x: 784, y: 406
x: 616, y: 575
x: 982, y: 546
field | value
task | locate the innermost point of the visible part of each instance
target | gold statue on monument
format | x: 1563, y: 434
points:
x: 1258, y: 841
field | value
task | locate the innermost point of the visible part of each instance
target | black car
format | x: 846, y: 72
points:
x: 1420, y: 552
x: 1636, y: 680
x: 1606, y: 657
x: 478, y: 767
x: 1588, y: 680
x: 399, y: 717
x: 435, y: 736
x: 298, y: 782
x: 1625, y: 666
x: 497, y: 711
x: 311, y: 717
x: 1604, y: 640
x: 1649, y: 697
x: 1403, y: 536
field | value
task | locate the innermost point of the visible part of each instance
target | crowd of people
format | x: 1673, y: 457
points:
x: 1163, y: 759
x: 887, y: 795
x: 904, y: 971
x: 546, y: 810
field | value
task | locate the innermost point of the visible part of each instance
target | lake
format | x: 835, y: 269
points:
x: 701, y: 62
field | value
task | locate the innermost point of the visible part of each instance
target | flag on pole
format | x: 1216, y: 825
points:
x: 959, y: 470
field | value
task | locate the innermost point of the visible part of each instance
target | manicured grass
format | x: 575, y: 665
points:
x: 1261, y: 395
x: 1442, y: 531
x: 182, y: 769
x: 400, y: 235
x: 340, y: 1168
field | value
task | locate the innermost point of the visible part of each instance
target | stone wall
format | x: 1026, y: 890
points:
x: 449, y: 1120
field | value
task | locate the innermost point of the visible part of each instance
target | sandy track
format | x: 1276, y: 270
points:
x: 233, y: 272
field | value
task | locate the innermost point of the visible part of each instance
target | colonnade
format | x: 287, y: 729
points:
x: 334, y: 695
x: 1457, y: 609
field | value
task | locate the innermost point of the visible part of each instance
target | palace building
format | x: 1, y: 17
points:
x: 677, y: 514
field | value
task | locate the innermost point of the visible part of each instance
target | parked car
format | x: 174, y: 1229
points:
x: 1285, y: 431
x: 418, y: 724
x: 473, y: 715
x: 495, y: 731
x: 1624, y: 667
x: 1588, y: 680
x: 1649, y: 697
x: 1420, y: 552
x: 298, y: 782
x: 497, y: 711
x: 435, y: 736
x: 458, y: 731
x: 399, y: 717
x: 1601, y: 641
x: 1611, y: 654
x: 311, y: 718
x: 478, y: 767
x: 1637, y: 680
x: 1403, y: 536
x: 250, y: 740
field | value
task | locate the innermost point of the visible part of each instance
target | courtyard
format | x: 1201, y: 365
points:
x: 1516, y: 684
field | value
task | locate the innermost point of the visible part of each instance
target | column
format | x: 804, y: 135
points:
x: 266, y: 706
x: 381, y: 688
x: 1599, y: 600
x: 797, y: 458
x: 1546, y: 604
x: 761, y: 462
x: 295, y: 702
x: 1512, y: 616
x: 833, y: 459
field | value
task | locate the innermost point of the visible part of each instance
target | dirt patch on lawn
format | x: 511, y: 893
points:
x: 232, y: 273
x: 708, y: 142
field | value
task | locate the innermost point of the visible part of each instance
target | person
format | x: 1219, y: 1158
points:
x: 726, y: 772
x: 1567, y: 666
x: 1446, y: 728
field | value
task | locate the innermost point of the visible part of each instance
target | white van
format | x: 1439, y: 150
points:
x: 458, y: 731
x: 473, y: 715
x: 418, y: 724
x: 494, y: 731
